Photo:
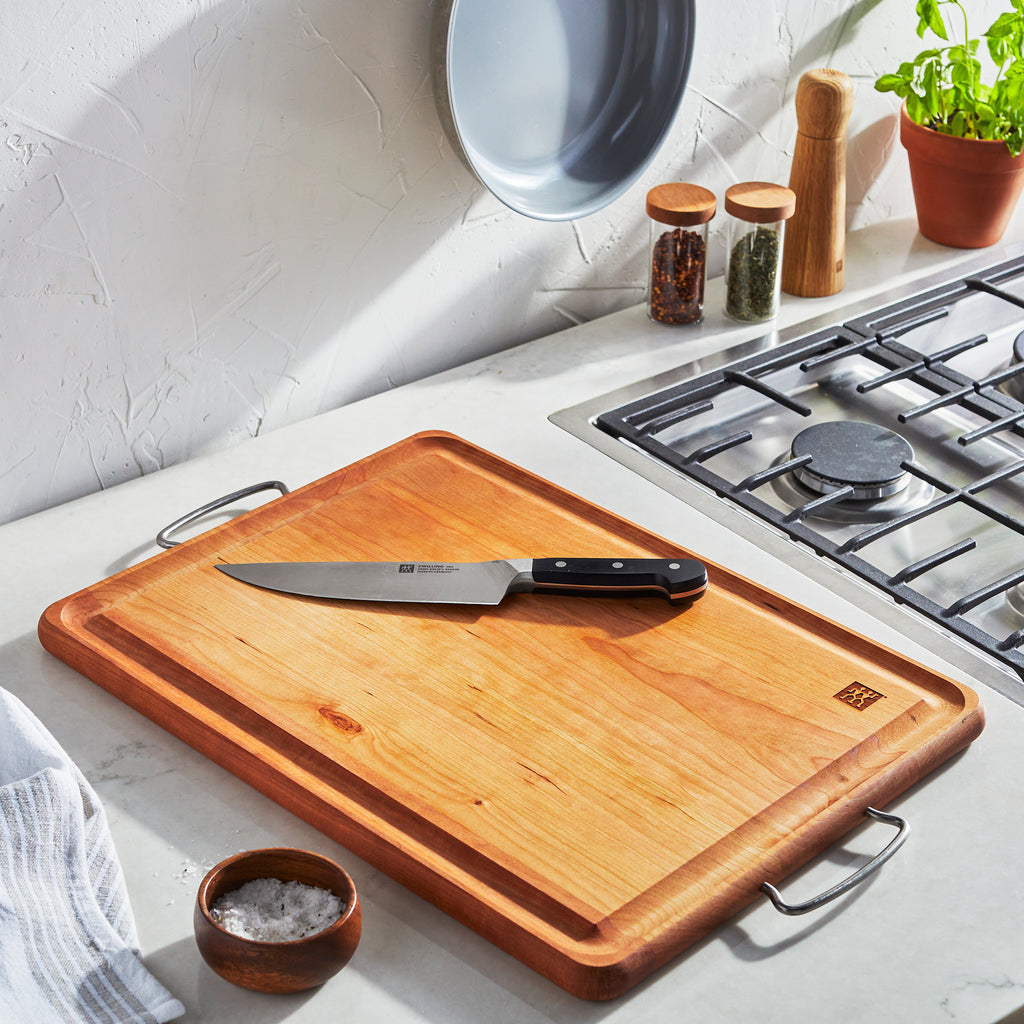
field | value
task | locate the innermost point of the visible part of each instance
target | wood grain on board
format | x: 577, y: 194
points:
x: 590, y: 783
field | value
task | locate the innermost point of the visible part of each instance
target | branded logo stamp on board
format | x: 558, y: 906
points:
x: 859, y: 696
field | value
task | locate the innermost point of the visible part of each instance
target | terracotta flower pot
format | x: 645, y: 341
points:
x: 965, y: 190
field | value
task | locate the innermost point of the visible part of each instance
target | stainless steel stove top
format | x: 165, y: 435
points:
x: 888, y: 442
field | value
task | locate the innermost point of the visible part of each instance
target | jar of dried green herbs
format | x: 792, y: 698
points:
x: 758, y: 213
x: 679, y: 216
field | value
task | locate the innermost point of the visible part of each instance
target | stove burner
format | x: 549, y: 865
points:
x: 1014, y: 386
x: 864, y: 456
x: 1015, y: 598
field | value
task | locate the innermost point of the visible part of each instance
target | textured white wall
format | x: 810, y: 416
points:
x: 218, y: 217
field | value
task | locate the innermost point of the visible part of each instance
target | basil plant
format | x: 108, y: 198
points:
x: 942, y: 87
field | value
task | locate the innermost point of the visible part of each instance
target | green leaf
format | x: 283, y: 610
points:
x: 891, y: 83
x: 932, y: 93
x: 962, y: 54
x: 915, y: 109
x: 965, y: 73
x: 1005, y: 25
x: 1013, y: 96
x: 1004, y: 37
x: 930, y: 16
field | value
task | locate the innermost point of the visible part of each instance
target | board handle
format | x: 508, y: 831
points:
x: 848, y: 883
x: 163, y: 537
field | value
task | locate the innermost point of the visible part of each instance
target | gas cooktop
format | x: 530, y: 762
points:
x: 889, y: 442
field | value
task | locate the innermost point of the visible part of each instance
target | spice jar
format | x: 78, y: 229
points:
x: 758, y: 214
x: 678, y: 251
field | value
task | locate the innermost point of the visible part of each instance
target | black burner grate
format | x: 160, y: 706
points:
x: 695, y: 425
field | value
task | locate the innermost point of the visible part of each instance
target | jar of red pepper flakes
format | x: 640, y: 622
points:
x: 679, y: 217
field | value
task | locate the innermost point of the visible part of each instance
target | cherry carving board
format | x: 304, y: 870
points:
x: 591, y: 783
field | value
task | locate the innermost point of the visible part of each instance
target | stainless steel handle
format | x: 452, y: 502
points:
x: 163, y: 537
x: 848, y: 883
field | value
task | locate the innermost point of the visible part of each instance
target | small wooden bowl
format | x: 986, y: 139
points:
x: 277, y: 966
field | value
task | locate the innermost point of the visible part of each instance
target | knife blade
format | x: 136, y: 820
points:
x: 485, y: 583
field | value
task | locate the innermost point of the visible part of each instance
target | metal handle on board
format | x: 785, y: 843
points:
x: 848, y: 883
x: 163, y: 537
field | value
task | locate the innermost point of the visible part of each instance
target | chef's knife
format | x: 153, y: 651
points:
x: 680, y: 579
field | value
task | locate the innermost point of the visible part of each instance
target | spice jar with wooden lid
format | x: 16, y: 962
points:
x: 758, y: 213
x: 679, y: 217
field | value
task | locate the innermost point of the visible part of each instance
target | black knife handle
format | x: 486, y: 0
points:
x: 678, y: 579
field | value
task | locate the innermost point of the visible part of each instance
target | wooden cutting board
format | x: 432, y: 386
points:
x: 590, y: 783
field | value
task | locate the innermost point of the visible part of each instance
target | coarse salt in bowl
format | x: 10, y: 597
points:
x: 277, y: 919
x: 270, y: 910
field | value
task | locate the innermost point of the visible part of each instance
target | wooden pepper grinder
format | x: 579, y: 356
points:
x: 815, y: 244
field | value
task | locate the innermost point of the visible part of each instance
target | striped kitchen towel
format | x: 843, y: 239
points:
x: 68, y: 946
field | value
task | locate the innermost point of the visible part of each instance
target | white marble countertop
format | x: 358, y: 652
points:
x: 936, y: 935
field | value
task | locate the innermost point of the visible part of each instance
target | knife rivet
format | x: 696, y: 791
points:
x: 560, y: 565
x: 673, y: 565
x: 616, y: 565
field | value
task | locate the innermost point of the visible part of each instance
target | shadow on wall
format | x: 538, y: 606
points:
x: 741, y: 102
x: 222, y: 217
x: 868, y: 149
x: 221, y: 226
